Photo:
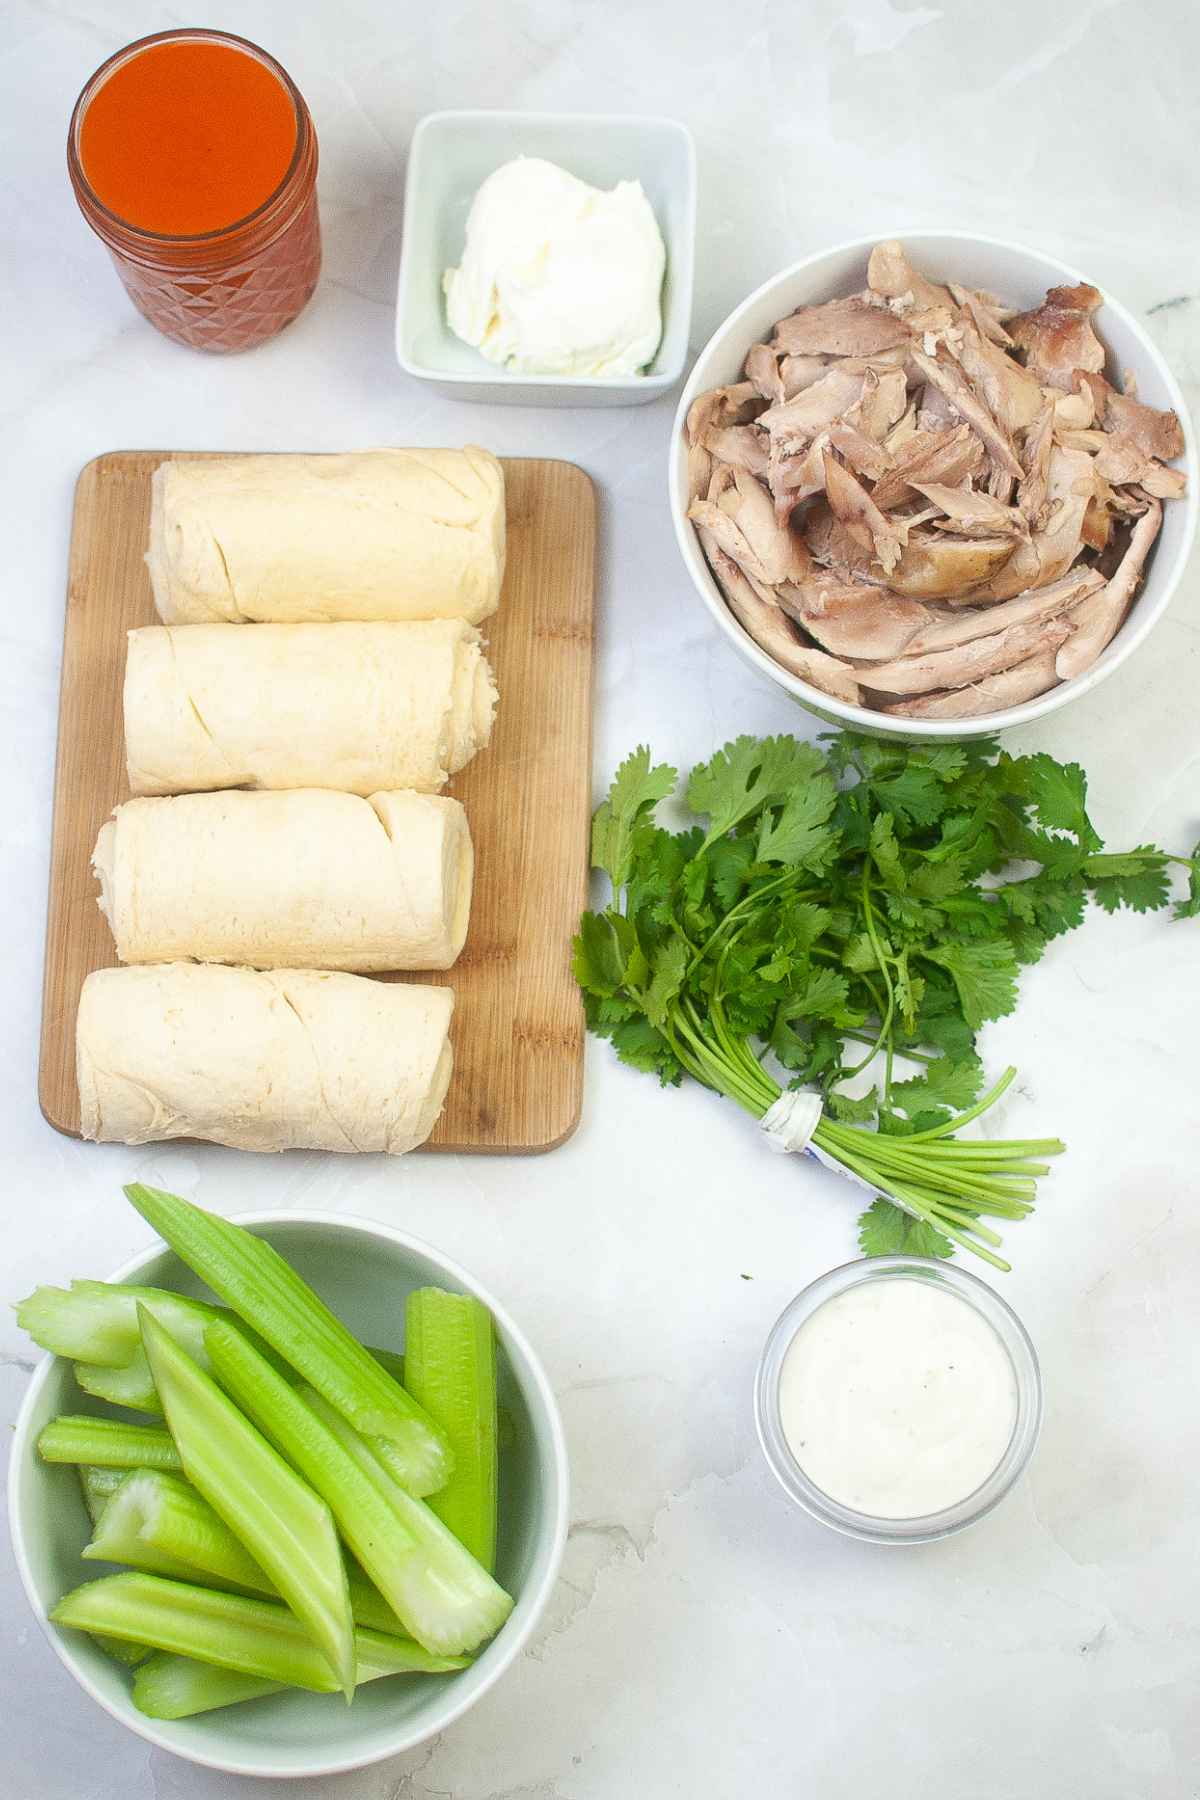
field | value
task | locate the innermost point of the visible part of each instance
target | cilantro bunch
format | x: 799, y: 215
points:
x: 832, y: 913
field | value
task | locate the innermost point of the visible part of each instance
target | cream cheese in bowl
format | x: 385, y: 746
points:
x: 898, y: 1399
x: 558, y: 277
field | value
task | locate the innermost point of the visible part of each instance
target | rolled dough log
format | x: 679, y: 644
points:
x: 352, y: 706
x: 294, y: 1059
x: 306, y: 879
x: 376, y: 534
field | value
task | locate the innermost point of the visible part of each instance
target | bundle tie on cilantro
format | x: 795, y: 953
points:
x: 853, y: 898
x: 790, y: 1121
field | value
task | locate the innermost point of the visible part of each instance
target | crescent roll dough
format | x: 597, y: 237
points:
x: 289, y: 1060
x: 306, y: 879
x: 356, y: 707
x: 376, y: 534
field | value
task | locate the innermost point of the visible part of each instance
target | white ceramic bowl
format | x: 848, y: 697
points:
x: 1020, y: 277
x: 451, y: 154
x: 364, y: 1271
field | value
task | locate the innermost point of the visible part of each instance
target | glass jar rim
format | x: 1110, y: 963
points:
x: 870, y: 1527
x: 183, y: 34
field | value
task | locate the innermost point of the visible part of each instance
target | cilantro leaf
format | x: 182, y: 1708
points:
x: 1190, y: 908
x: 938, y: 880
x: 852, y: 1109
x: 884, y: 1230
x: 1138, y: 879
x: 748, y: 774
x: 598, y: 963
x: 885, y: 852
x: 945, y: 1082
x: 669, y: 966
x: 1059, y: 795
x: 746, y: 936
x: 984, y: 974
x: 914, y: 794
x: 796, y: 834
x: 805, y: 923
x: 642, y: 1047
x: 636, y: 789
x: 822, y: 995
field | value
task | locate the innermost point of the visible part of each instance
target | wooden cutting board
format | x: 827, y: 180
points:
x: 518, y: 1024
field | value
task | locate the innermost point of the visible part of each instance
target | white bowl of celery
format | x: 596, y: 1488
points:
x: 239, y: 1501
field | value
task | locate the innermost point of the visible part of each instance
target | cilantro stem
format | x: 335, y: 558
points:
x: 748, y: 900
x: 864, y: 1037
x: 981, y: 1106
x: 890, y: 1009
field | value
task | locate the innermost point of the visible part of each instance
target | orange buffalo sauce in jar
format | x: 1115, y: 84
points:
x: 194, y: 160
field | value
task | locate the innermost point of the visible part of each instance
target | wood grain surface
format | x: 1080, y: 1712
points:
x: 518, y: 1025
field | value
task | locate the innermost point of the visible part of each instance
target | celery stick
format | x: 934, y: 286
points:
x: 132, y: 1386
x: 159, y: 1523
x: 178, y: 1687
x: 109, y: 1443
x: 99, y: 1485
x: 369, y: 1606
x: 454, y: 1600
x: 286, y: 1528
x: 445, y: 1600
x: 256, y: 1281
x: 391, y: 1360
x: 162, y: 1516
x: 450, y: 1352
x: 129, y: 1654
x: 257, y: 1637
x: 95, y: 1324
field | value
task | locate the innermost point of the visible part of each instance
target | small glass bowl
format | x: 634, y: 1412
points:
x: 1026, y: 1373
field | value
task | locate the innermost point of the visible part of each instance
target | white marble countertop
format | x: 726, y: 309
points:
x: 704, y: 1639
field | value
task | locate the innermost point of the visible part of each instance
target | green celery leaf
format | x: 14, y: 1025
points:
x: 985, y: 975
x: 636, y: 789
x: 884, y: 1230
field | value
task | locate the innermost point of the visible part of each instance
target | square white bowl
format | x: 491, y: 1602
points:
x: 452, y: 153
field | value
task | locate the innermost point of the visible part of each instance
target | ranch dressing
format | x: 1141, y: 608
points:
x: 897, y: 1398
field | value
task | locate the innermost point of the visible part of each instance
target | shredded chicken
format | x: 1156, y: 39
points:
x: 839, y: 328
x: 995, y: 694
x: 1102, y: 614
x: 966, y: 663
x: 1057, y: 337
x: 848, y: 619
x: 923, y: 501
